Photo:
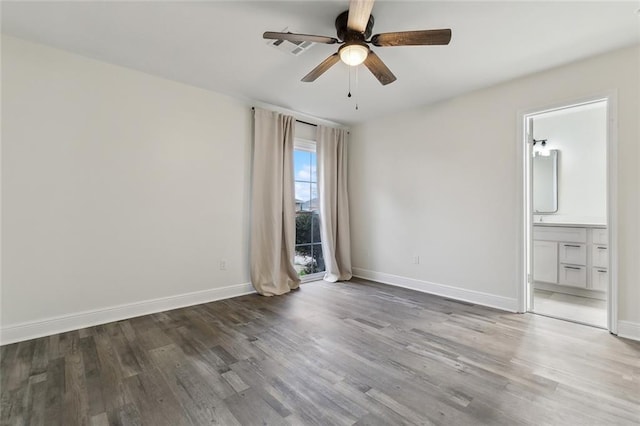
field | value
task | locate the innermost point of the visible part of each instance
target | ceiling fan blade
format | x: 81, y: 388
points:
x: 299, y: 37
x: 379, y: 69
x: 413, y: 38
x: 320, y: 69
x: 359, y: 12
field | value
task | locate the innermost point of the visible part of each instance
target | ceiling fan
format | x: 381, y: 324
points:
x: 354, y: 28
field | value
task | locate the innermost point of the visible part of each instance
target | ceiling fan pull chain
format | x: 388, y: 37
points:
x: 349, y: 94
x: 356, y: 71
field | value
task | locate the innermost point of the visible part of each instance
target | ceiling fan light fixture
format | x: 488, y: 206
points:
x: 354, y: 54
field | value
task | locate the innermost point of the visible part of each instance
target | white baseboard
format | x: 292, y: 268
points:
x: 33, y: 329
x: 456, y: 293
x: 629, y: 330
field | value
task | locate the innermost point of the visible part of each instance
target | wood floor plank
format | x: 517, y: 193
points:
x: 110, y: 383
x: 18, y: 375
x: 249, y: 408
x: 37, y: 401
x: 100, y: 420
x: 127, y: 415
x: 55, y: 390
x: 124, y: 353
x: 199, y: 394
x: 358, y: 353
x: 156, y: 403
x: 235, y: 381
x: 93, y: 380
x: 398, y: 408
x: 75, y: 409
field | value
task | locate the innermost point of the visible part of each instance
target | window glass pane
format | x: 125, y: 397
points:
x: 303, y: 227
x: 302, y: 260
x: 318, y: 258
x: 315, y: 228
x: 314, y: 167
x: 302, y: 167
x: 314, y: 203
x: 303, y: 195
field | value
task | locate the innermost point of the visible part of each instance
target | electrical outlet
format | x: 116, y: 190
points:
x: 223, y: 265
x: 416, y: 260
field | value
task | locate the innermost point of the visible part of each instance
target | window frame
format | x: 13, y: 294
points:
x: 308, y: 145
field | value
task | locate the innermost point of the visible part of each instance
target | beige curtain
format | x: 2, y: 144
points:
x: 331, y: 149
x: 273, y: 228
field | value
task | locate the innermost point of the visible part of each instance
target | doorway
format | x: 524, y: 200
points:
x: 568, y: 213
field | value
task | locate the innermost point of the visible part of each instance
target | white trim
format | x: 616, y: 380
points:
x: 629, y: 330
x: 318, y: 276
x: 612, y: 196
x: 522, y: 277
x: 46, y: 327
x: 612, y: 209
x: 456, y: 293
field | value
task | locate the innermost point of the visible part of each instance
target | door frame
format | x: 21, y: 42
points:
x: 526, y: 214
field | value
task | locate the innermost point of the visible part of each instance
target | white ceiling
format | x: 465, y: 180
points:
x: 218, y: 45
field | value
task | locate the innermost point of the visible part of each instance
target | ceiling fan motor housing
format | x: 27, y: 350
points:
x: 348, y: 35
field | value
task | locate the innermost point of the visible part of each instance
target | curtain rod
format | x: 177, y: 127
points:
x: 299, y: 121
x: 304, y: 122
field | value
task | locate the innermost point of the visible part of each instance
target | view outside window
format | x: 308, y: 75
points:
x: 308, y: 257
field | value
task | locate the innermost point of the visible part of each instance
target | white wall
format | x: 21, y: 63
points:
x: 442, y: 182
x: 117, y: 187
x: 580, y: 136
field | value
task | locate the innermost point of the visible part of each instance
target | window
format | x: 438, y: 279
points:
x: 308, y: 256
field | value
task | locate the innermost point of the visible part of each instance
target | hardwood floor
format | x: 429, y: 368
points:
x: 353, y: 353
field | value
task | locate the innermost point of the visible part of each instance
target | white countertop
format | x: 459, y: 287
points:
x: 571, y: 225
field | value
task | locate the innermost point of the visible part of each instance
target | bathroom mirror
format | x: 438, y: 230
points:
x: 545, y: 182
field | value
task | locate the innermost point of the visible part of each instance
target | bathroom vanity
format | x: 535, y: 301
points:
x: 571, y: 258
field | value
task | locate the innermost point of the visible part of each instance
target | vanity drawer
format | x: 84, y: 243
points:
x: 600, y: 256
x: 573, y: 253
x: 558, y: 233
x: 600, y: 236
x: 599, y: 279
x: 573, y: 275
